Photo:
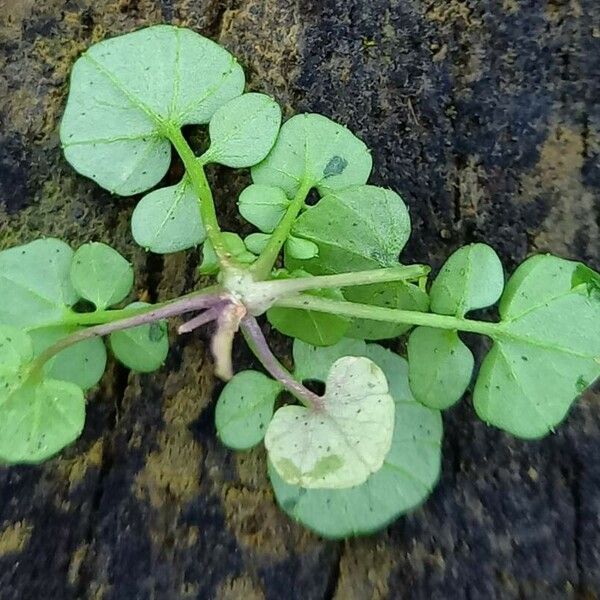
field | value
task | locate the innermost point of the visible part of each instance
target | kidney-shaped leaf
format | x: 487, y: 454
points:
x: 313, y: 150
x: 409, y: 472
x: 126, y: 90
x: 343, y: 442
x: 547, y: 351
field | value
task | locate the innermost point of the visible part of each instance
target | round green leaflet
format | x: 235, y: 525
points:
x: 245, y: 408
x: 126, y: 91
x: 236, y: 247
x: 548, y: 351
x: 35, y: 283
x: 409, y: 472
x: 301, y: 249
x: 101, y: 275
x: 357, y: 228
x: 339, y: 444
x: 256, y: 242
x: 144, y: 348
x: 83, y: 363
x: 166, y: 220
x: 313, y: 150
x: 440, y: 366
x: 320, y: 329
x: 471, y: 278
x: 243, y: 131
x: 263, y: 206
x: 38, y: 418
x: 295, y: 248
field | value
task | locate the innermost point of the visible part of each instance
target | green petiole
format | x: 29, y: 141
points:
x: 284, y: 287
x: 263, y: 265
x: 390, y: 315
x: 203, y: 192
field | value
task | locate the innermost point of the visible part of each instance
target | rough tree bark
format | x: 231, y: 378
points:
x: 484, y: 115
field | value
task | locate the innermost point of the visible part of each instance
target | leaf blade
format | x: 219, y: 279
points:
x: 410, y: 470
x: 242, y: 421
x: 112, y: 92
x: 101, y: 275
x: 243, y: 131
x: 540, y: 363
x: 342, y: 444
x: 306, y: 145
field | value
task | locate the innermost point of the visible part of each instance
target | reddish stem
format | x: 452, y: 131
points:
x: 260, y: 347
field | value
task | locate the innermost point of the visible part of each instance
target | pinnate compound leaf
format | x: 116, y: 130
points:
x: 125, y: 90
x: 236, y: 247
x: 83, y: 363
x: 168, y: 219
x: 313, y: 150
x: 101, y: 275
x: 357, y: 228
x: 342, y: 443
x: 263, y: 206
x: 440, y: 366
x: 245, y: 408
x: 471, y: 278
x: 397, y: 294
x: 143, y: 348
x: 38, y: 419
x: 35, y: 283
x: 411, y: 467
x: 243, y: 131
x: 548, y: 350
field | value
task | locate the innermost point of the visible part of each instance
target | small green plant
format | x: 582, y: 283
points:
x: 346, y: 462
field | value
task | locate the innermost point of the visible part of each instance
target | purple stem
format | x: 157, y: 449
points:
x: 202, y: 319
x: 258, y: 344
x: 178, y: 307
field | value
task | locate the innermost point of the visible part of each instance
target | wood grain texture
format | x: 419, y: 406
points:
x: 484, y: 115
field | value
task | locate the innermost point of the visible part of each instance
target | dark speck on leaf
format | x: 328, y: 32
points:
x: 335, y: 166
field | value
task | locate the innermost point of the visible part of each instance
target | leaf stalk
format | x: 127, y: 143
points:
x: 263, y: 265
x: 201, y: 188
x: 390, y: 315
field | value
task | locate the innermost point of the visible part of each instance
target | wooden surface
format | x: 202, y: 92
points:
x: 485, y: 116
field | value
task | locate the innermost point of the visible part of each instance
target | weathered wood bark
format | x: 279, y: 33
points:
x: 484, y: 114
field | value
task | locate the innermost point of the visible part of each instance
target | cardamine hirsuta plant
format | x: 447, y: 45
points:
x: 343, y: 463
